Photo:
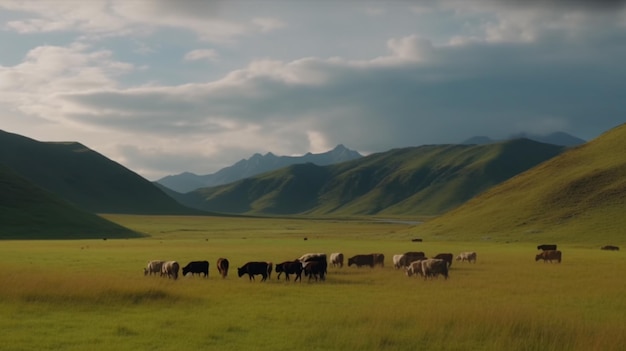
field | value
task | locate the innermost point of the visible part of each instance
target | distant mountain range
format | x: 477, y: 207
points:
x: 255, y: 165
x: 425, y: 180
x: 556, y: 138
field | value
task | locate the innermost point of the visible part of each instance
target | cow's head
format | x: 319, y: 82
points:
x: 240, y: 271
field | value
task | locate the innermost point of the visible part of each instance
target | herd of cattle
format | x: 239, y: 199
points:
x: 315, y: 265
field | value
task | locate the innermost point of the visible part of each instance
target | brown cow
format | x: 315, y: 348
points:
x: 610, y: 248
x: 411, y: 256
x: 222, y: 267
x: 549, y: 255
x: 314, y: 269
x: 432, y: 267
x: 415, y: 267
x: 379, y: 259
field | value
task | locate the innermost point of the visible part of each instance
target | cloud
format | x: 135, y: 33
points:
x: 201, y: 54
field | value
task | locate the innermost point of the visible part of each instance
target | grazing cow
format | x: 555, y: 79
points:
x: 396, y: 261
x: 467, y: 256
x: 379, y: 259
x: 153, y: 267
x: 432, y: 267
x: 199, y: 267
x: 315, y: 257
x: 222, y: 267
x: 361, y: 260
x: 546, y: 247
x: 290, y: 267
x: 170, y: 269
x: 314, y: 269
x: 336, y: 259
x: 410, y: 256
x: 610, y: 248
x: 549, y: 255
x: 414, y: 267
x: 446, y: 257
x: 254, y: 268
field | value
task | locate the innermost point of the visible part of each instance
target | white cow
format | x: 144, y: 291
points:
x: 170, y: 269
x: 336, y: 259
x: 396, y: 261
x: 153, y: 267
x: 469, y: 256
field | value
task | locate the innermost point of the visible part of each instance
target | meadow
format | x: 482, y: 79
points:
x: 92, y: 294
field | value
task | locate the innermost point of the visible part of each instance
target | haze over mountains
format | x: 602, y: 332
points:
x: 556, y: 138
x: 256, y: 164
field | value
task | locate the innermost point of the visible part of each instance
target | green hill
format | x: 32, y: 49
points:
x: 425, y: 180
x: 84, y: 177
x: 578, y: 196
x: 29, y: 212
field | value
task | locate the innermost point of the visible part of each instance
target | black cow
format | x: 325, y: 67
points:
x: 361, y: 260
x: 446, y: 257
x: 222, y: 266
x: 315, y: 257
x: 315, y: 269
x: 290, y: 267
x: 546, y: 247
x: 610, y: 248
x: 199, y: 267
x: 255, y: 268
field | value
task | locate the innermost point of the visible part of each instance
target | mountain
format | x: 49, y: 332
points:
x: 425, y: 180
x: 578, y: 196
x: 556, y: 138
x: 84, y: 177
x: 29, y: 212
x: 256, y: 164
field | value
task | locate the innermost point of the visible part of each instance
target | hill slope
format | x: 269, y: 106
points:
x: 29, y: 212
x: 84, y: 177
x: 579, y: 196
x: 255, y: 165
x: 423, y: 180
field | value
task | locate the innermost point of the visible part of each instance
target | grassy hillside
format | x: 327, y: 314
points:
x: 425, y: 180
x: 29, y: 212
x: 84, y: 177
x: 576, y: 196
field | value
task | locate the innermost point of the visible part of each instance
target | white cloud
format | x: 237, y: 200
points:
x: 201, y: 54
x: 267, y: 24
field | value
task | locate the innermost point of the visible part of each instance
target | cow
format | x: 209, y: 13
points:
x: 199, y: 267
x: 546, y: 247
x: 446, y: 257
x: 610, y: 248
x: 290, y: 267
x: 153, y: 267
x: 314, y: 269
x: 222, y: 266
x: 336, y: 259
x: 410, y: 256
x: 255, y: 268
x: 170, y: 269
x: 432, y: 267
x: 396, y: 261
x: 414, y: 267
x: 549, y: 255
x: 467, y: 256
x: 361, y: 260
x: 315, y: 257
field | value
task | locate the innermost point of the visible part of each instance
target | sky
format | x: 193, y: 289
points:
x: 164, y: 87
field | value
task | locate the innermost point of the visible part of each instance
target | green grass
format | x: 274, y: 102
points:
x: 91, y: 294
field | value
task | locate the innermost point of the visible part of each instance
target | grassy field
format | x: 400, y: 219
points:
x: 92, y: 294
